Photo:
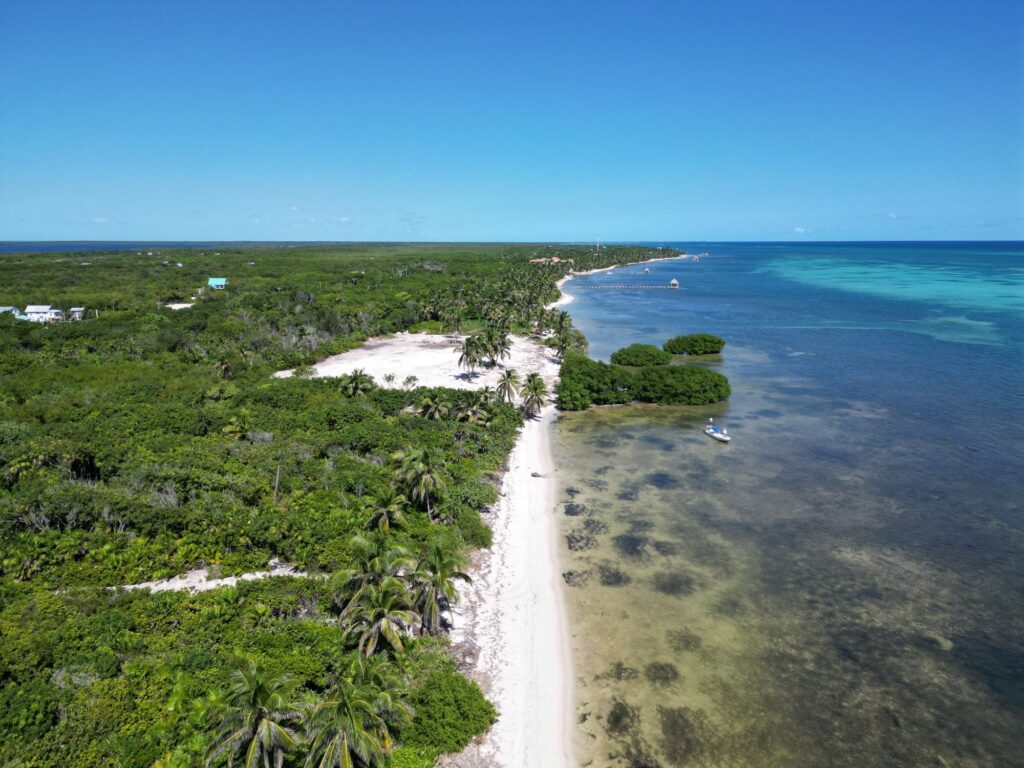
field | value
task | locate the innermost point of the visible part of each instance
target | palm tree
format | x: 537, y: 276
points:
x: 347, y: 729
x: 381, y: 673
x: 533, y: 392
x: 387, y: 511
x: 501, y: 348
x: 486, y: 397
x: 434, y: 581
x: 508, y: 384
x: 255, y: 718
x: 433, y: 408
x: 375, y: 559
x: 561, y: 343
x: 357, y: 383
x: 472, y: 413
x: 469, y: 354
x: 421, y: 472
x: 379, y: 612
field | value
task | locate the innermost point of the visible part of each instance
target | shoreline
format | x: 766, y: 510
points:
x: 512, y: 628
x: 512, y: 632
x: 566, y: 298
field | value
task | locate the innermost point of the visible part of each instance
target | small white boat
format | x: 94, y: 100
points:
x: 716, y: 432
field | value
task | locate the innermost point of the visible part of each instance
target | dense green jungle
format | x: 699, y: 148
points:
x: 143, y: 442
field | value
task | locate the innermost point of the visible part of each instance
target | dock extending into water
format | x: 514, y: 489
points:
x: 626, y: 287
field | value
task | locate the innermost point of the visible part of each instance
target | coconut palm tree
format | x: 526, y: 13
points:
x: 433, y: 408
x: 379, y: 612
x: 486, y: 397
x: 357, y: 383
x: 255, y: 718
x: 422, y: 473
x: 562, y: 321
x: 382, y: 674
x: 469, y: 354
x: 508, y: 384
x: 375, y: 559
x: 388, y: 511
x: 434, y: 581
x: 347, y: 729
x: 561, y: 342
x: 473, y: 413
x: 533, y: 392
x: 501, y: 347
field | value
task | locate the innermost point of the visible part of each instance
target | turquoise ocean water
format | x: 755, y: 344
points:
x: 844, y: 583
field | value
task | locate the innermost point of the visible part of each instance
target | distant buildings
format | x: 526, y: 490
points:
x: 217, y: 283
x: 44, y: 313
x: 552, y: 260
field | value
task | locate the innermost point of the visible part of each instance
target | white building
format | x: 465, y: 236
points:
x: 43, y: 313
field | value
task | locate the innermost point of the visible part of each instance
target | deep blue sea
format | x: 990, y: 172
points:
x: 73, y: 246
x: 843, y: 584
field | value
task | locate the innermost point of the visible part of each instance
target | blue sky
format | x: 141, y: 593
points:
x: 512, y: 121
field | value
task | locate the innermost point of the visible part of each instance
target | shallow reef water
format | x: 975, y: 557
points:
x: 842, y: 585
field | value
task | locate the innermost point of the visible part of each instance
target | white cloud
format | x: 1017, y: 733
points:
x: 802, y: 230
x: 100, y: 220
x: 893, y: 216
x: 294, y: 208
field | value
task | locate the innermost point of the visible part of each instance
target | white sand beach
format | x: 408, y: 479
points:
x: 511, y: 626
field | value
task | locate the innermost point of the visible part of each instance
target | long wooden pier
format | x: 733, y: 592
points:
x: 625, y: 287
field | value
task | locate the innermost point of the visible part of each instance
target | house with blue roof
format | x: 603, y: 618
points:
x: 217, y: 283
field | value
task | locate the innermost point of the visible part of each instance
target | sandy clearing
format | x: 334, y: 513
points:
x: 434, y: 360
x: 199, y: 580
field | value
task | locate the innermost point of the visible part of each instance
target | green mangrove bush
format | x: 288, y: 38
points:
x: 695, y: 344
x: 639, y: 355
